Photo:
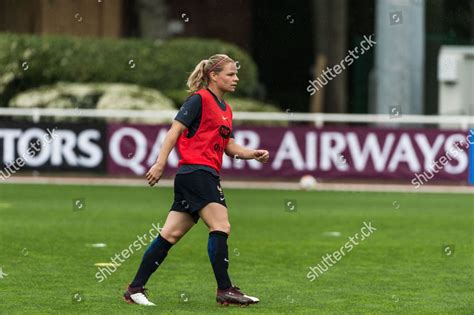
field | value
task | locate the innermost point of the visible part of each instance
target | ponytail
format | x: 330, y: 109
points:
x: 198, y: 78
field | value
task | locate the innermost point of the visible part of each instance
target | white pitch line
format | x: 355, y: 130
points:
x: 333, y: 186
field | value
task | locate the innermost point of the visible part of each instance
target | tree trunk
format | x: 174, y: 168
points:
x: 330, y: 29
x: 153, y: 19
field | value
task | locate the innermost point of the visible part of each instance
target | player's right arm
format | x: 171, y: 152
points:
x: 189, y: 113
x: 156, y: 171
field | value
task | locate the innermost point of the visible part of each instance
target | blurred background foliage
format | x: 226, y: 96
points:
x: 32, y: 66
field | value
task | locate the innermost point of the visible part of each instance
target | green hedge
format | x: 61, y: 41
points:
x: 29, y: 61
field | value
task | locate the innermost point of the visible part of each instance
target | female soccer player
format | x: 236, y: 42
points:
x: 202, y: 130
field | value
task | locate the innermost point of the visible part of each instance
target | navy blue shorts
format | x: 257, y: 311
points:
x: 195, y: 190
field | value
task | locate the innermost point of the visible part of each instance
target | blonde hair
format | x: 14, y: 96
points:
x: 199, y: 78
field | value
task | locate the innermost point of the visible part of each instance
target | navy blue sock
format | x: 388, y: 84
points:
x: 153, y: 257
x: 218, y: 254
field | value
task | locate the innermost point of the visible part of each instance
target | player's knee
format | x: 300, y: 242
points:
x: 223, y: 227
x: 172, y: 236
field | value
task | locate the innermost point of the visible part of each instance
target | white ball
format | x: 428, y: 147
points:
x: 308, y: 182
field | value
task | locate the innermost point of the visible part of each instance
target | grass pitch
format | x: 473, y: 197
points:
x: 418, y: 261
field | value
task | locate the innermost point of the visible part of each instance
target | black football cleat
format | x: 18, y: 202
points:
x: 233, y: 295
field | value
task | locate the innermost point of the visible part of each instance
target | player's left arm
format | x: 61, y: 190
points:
x: 239, y: 152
